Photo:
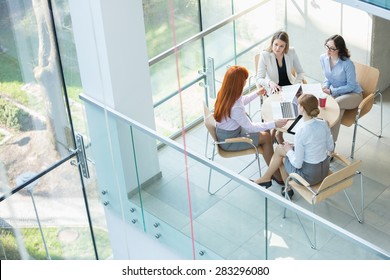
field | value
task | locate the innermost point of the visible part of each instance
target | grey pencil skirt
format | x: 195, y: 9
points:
x: 239, y: 132
x: 312, y: 173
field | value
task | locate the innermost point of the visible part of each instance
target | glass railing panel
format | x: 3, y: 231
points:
x: 106, y: 150
x: 165, y: 203
x: 164, y: 193
x: 231, y: 224
x: 152, y: 194
x: 178, y: 208
x: 50, y: 216
x: 288, y: 239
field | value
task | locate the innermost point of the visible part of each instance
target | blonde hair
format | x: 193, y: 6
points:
x: 310, y: 104
x: 281, y: 35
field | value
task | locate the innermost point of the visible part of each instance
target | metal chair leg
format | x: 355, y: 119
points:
x: 378, y: 134
x: 257, y: 158
x: 360, y: 219
x: 211, y: 170
x: 354, y: 138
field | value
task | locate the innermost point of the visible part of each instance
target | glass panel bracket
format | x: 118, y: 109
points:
x: 81, y: 155
x: 209, y: 73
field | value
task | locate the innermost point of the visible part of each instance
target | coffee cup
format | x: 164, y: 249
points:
x: 322, y: 100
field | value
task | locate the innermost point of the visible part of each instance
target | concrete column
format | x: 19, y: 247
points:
x: 111, y: 49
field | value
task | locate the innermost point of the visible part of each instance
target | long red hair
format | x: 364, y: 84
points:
x: 231, y: 89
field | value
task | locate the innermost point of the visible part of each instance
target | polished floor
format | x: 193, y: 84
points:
x: 231, y: 223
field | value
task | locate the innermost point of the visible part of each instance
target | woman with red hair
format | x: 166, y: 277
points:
x: 232, y: 120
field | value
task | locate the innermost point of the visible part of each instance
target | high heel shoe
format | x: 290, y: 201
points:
x: 290, y: 193
x: 280, y: 182
x: 264, y: 184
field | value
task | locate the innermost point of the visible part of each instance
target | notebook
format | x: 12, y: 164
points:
x: 287, y: 109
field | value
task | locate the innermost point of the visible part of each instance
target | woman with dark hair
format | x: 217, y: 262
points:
x: 232, y: 120
x: 309, y: 156
x: 340, y: 77
x: 276, y: 64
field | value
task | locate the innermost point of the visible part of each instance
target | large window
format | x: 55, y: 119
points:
x: 236, y: 42
x: 38, y: 91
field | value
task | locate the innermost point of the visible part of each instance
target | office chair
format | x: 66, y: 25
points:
x: 210, y: 124
x: 250, y: 85
x: 368, y: 78
x: 335, y: 182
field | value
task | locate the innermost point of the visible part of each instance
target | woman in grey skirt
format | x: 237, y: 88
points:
x: 232, y: 120
x: 309, y: 156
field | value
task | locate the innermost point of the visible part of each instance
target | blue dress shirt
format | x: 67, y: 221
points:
x: 341, y: 79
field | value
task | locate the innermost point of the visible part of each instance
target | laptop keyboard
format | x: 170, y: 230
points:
x: 286, y: 110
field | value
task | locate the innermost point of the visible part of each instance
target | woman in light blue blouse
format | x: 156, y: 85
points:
x: 309, y: 156
x: 340, y: 77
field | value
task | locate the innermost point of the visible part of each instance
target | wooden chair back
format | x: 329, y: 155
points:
x: 337, y: 181
x: 332, y: 184
x: 367, y: 77
x: 209, y: 121
x: 210, y: 124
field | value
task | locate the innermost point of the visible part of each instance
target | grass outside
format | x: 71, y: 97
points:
x: 63, y: 243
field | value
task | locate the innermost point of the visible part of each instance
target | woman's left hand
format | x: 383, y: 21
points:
x: 280, y: 123
x: 262, y: 91
x: 326, y: 90
x: 287, y: 146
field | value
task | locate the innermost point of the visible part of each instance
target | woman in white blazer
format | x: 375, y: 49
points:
x: 276, y: 64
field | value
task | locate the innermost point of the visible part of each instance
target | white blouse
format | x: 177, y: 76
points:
x: 239, y: 118
x: 312, y: 143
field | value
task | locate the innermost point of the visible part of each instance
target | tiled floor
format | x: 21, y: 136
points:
x: 231, y: 222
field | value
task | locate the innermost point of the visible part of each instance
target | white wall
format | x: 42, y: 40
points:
x: 381, y: 51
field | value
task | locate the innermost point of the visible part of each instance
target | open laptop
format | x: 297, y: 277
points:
x: 286, y: 109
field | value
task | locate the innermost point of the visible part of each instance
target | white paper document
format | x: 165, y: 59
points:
x: 314, y: 89
x: 289, y: 92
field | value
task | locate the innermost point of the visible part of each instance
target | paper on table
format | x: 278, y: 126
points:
x: 289, y: 92
x: 314, y: 89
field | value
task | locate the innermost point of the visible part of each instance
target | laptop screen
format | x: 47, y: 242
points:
x: 295, y: 101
